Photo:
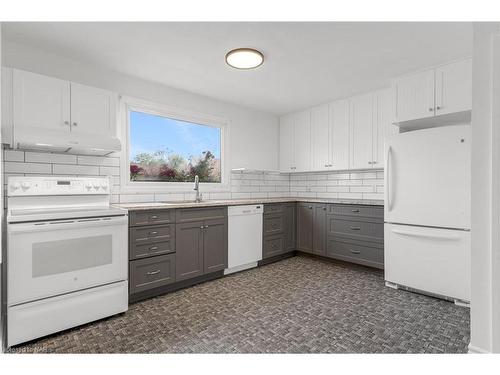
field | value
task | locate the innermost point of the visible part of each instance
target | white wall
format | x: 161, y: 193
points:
x: 253, y: 135
x: 485, y: 311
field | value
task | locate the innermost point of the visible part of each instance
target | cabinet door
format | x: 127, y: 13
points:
x: 302, y: 141
x: 286, y: 143
x: 319, y: 229
x: 93, y: 111
x: 320, y: 136
x: 415, y: 96
x: 289, y: 226
x: 382, y: 126
x: 189, y: 250
x: 214, y: 245
x: 40, y: 102
x: 305, y: 227
x: 339, y: 134
x: 361, y: 132
x: 454, y: 87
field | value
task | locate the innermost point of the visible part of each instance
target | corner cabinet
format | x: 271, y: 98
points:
x: 341, y: 135
x: 435, y: 93
x: 295, y: 142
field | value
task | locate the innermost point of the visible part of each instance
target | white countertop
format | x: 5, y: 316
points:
x: 240, y: 202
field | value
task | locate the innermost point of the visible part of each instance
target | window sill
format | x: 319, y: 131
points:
x: 172, y: 187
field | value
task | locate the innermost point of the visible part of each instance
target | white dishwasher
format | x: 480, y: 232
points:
x: 244, y: 237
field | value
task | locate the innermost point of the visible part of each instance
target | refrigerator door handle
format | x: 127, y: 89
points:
x: 440, y: 236
x: 388, y: 180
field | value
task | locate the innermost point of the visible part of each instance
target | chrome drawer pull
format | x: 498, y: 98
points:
x: 355, y: 251
x: 154, y: 232
x: 153, y: 217
x: 355, y: 211
x: 153, y: 248
x: 355, y: 228
x: 153, y: 272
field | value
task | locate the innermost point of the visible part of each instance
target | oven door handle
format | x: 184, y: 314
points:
x: 82, y: 223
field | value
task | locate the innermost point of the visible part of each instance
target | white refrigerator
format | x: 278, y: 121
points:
x: 427, y: 211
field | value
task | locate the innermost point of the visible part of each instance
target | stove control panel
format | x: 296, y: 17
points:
x: 53, y: 185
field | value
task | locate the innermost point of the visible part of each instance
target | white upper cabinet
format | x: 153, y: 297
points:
x: 47, y: 104
x: 415, y: 96
x: 302, y: 141
x: 40, y: 102
x: 441, y: 91
x: 339, y: 135
x: 93, y: 111
x: 382, y: 124
x: 361, y: 132
x: 454, y: 87
x: 295, y: 142
x: 320, y: 138
x: 286, y: 143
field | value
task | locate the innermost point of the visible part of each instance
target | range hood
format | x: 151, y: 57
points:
x: 70, y: 143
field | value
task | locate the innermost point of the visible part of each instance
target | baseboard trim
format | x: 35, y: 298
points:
x: 477, y: 350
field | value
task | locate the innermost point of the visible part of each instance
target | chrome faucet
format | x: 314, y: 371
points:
x: 197, y: 189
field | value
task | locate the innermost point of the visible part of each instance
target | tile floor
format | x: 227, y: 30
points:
x: 298, y: 305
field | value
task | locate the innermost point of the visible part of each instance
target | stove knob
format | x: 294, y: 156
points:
x: 15, y: 186
x: 96, y: 186
x: 88, y: 185
x: 104, y: 187
x: 25, y: 185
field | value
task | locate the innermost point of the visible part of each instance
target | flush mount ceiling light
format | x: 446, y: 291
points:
x: 244, y: 58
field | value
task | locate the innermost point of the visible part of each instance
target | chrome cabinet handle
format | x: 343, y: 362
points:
x: 355, y: 251
x: 75, y: 124
x: 153, y: 272
x: 310, y: 207
x: 324, y: 208
x: 431, y: 109
x: 153, y: 248
x: 206, y: 226
x: 66, y: 122
x: 355, y: 228
x: 374, y: 162
x: 370, y: 162
x: 154, y: 217
x: 355, y: 211
x: 438, y: 108
x: 202, y: 227
x: 153, y: 233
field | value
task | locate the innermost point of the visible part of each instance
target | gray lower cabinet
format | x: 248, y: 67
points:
x: 319, y: 229
x: 311, y: 228
x: 279, y: 229
x: 214, y: 245
x: 151, y: 273
x: 305, y: 217
x: 189, y: 250
x: 201, y: 246
x: 355, y: 233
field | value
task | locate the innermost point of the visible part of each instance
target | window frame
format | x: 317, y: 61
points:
x: 128, y: 104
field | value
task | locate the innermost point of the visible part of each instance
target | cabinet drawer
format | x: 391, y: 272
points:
x: 272, y: 246
x: 357, y: 210
x: 151, y: 273
x: 138, y: 251
x: 355, y: 252
x: 273, y: 208
x: 151, y: 217
x: 273, y: 224
x: 151, y: 234
x: 356, y: 229
x: 185, y: 215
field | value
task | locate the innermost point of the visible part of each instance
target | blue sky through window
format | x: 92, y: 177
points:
x: 150, y: 133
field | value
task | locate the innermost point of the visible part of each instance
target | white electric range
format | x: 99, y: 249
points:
x: 66, y: 255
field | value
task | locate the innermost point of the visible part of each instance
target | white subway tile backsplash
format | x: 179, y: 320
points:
x: 46, y: 157
x: 81, y: 170
x: 360, y: 184
x: 18, y: 167
x: 13, y: 155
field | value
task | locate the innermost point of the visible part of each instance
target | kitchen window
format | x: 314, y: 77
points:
x: 167, y: 148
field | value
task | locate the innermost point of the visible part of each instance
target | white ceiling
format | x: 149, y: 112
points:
x: 305, y: 63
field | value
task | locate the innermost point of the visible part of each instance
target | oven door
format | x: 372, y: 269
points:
x: 50, y: 258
